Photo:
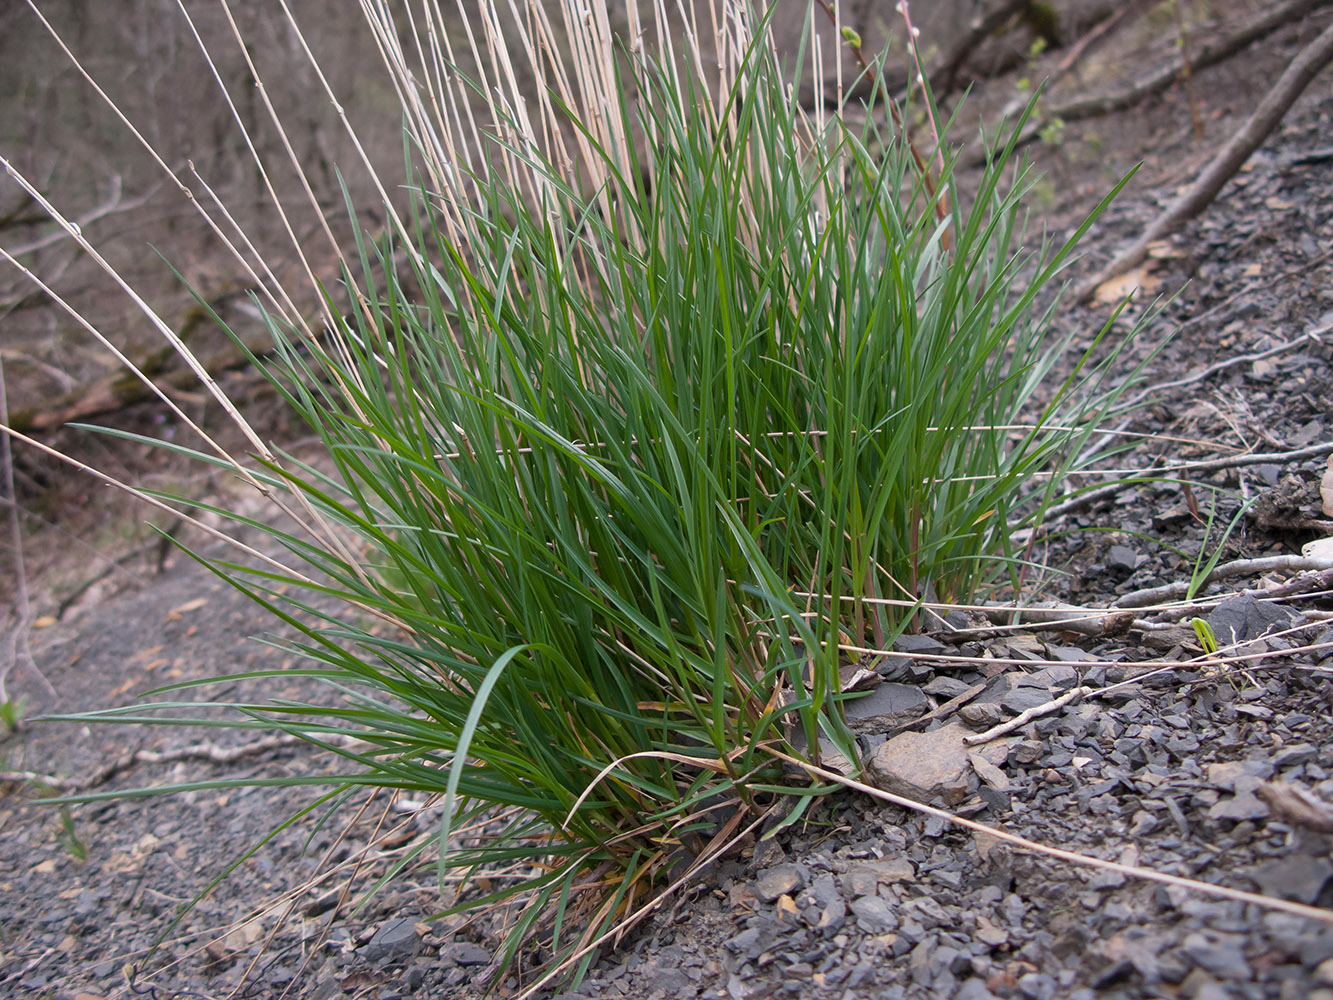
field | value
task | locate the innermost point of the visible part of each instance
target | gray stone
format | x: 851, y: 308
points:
x: 1020, y: 699
x: 1316, y: 949
x: 466, y: 954
x: 874, y: 915
x: 894, y: 868
x: 1222, y: 956
x: 395, y: 941
x: 921, y: 766
x: 1056, y: 678
x: 1299, y: 877
x: 830, y: 909
x: 1225, y: 775
x: 1122, y: 558
x: 1295, y: 755
x: 908, y: 643
x: 1071, y: 654
x: 981, y: 715
x: 1243, y: 618
x: 1243, y: 805
x: 973, y: 989
x: 778, y: 881
x: 946, y: 687
x: 1027, y: 751
x: 885, y: 707
x: 1037, y: 986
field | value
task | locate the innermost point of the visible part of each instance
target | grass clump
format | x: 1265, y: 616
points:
x: 652, y: 415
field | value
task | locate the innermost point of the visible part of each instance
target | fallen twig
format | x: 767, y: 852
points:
x: 940, y: 712
x: 1238, y: 567
x: 1164, y: 78
x: 1266, y: 117
x: 1094, y: 36
x: 1056, y: 617
x: 196, y: 751
x: 1199, y: 375
x: 30, y: 777
x: 1211, y: 465
x: 1035, y: 712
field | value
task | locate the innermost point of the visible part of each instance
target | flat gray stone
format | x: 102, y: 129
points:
x: 921, y: 766
x: 780, y: 880
x: 1243, y: 618
x: 1222, y: 956
x: 887, y: 706
x: 1225, y: 775
x: 919, y: 644
x: 873, y: 915
x: 1122, y: 558
x: 1295, y: 755
x: 395, y: 941
x: 466, y: 954
x: 982, y: 715
x: 1020, y: 699
x: 1058, y: 677
x: 1299, y: 877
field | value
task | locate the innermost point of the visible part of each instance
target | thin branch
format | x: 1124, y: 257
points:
x: 1238, y: 567
x: 112, y: 205
x: 1021, y: 720
x: 1266, y: 117
x: 1083, y: 108
x: 1212, y: 465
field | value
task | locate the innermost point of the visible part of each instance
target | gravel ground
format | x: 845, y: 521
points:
x: 1220, y: 775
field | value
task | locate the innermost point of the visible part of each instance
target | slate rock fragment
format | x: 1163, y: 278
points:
x: 395, y: 941
x: 1243, y: 618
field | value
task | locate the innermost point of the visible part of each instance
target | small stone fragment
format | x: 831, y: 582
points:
x: 981, y: 716
x: 1122, y: 558
x: 989, y: 773
x: 885, y: 707
x: 874, y: 915
x: 1223, y: 956
x: 778, y: 881
x: 1243, y: 618
x: 395, y: 941
x: 466, y: 954
x: 921, y: 766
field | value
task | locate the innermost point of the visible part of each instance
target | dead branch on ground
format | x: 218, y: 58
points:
x: 1320, y: 570
x: 1210, y: 54
x: 1266, y: 117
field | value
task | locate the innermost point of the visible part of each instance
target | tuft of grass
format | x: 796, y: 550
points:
x: 651, y: 413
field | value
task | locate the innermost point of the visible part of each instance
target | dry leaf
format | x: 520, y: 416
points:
x: 174, y: 615
x: 1164, y: 250
x: 1141, y: 279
